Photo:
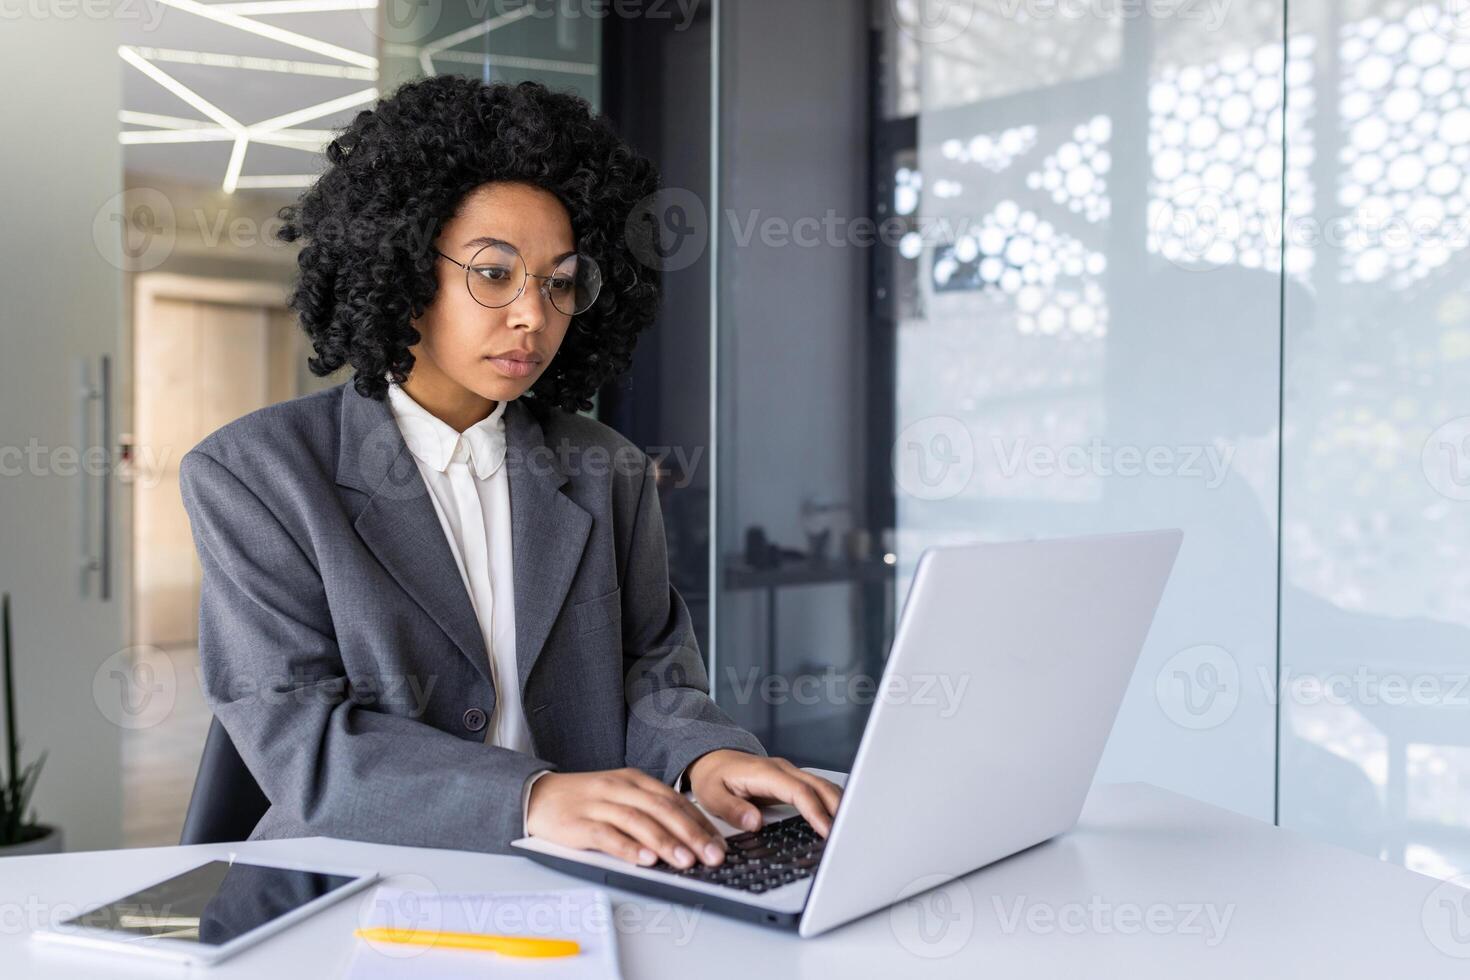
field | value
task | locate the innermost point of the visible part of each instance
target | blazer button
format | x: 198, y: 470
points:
x: 474, y: 719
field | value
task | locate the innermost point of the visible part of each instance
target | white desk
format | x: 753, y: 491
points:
x: 1129, y: 893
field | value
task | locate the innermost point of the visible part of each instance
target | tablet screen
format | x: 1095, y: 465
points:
x: 211, y: 904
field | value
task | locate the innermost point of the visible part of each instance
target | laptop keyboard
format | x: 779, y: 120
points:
x: 761, y: 860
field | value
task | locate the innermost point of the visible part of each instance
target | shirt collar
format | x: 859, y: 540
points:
x: 434, y: 441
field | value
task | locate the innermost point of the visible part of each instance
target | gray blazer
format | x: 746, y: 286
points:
x: 340, y: 650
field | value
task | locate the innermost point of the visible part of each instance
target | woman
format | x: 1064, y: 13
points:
x: 435, y: 607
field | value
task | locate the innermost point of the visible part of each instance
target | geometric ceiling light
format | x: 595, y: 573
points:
x: 243, y: 62
x: 219, y: 125
x: 333, y: 51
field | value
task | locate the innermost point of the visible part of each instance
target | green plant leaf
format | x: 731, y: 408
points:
x: 28, y: 786
x: 14, y: 800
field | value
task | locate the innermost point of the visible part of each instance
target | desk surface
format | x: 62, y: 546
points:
x: 1149, y: 883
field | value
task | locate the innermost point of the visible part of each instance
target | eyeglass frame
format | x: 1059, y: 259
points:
x: 543, y: 289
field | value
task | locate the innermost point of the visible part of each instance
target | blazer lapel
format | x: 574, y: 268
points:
x: 548, y: 533
x: 548, y: 529
x: 399, y: 523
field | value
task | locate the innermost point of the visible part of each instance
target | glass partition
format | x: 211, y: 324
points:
x: 1091, y: 341
x: 1375, y: 605
x: 1127, y: 266
x: 557, y: 44
x: 803, y: 596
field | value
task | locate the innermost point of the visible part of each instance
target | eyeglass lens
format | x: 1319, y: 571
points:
x: 497, y: 274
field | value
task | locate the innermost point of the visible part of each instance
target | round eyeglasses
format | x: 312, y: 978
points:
x: 496, y: 276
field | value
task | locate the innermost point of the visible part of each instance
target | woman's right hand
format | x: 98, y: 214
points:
x: 623, y: 812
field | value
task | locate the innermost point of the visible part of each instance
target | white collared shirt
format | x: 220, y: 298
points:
x: 467, y: 483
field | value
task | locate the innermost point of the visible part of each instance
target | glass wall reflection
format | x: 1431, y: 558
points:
x: 803, y: 594
x: 555, y: 44
x: 1093, y: 344
x: 1375, y: 652
x: 1191, y: 266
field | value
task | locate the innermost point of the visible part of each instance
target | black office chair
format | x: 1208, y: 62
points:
x: 227, y: 802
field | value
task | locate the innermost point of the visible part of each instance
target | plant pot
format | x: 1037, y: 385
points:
x: 47, y: 842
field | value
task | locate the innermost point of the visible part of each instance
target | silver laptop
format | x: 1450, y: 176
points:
x: 1033, y: 644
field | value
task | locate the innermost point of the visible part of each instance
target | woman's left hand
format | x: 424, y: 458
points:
x: 729, y: 783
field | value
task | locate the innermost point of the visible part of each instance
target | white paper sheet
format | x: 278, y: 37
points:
x: 581, y: 914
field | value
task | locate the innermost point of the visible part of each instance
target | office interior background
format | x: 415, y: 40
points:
x: 934, y: 272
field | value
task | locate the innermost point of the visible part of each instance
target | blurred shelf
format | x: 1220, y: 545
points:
x: 738, y: 575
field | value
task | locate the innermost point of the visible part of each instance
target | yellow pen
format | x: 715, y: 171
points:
x: 506, y: 945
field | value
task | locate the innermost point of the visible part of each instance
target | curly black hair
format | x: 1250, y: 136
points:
x: 396, y: 176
